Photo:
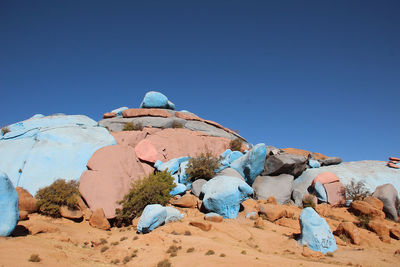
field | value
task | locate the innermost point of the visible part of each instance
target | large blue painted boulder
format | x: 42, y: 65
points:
x: 320, y: 192
x: 315, y: 232
x: 178, y: 189
x: 9, y: 214
x: 373, y: 173
x: 251, y: 164
x: 223, y: 195
x: 156, y: 100
x: 42, y: 149
x: 172, y: 165
x: 173, y: 215
x: 153, y: 216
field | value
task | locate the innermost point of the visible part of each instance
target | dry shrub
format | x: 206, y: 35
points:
x: 203, y: 166
x: 236, y: 144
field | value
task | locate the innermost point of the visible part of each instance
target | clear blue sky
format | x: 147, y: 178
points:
x: 318, y: 75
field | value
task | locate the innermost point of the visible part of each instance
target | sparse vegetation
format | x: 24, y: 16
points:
x: 123, y: 238
x: 222, y: 255
x: 129, y: 126
x: 210, y: 252
x: 126, y: 259
x: 236, y: 144
x: 103, y: 241
x: 187, y: 232
x: 116, y: 261
x: 5, y: 130
x: 356, y: 191
x: 203, y: 166
x: 153, y: 189
x: 114, y: 243
x: 59, y: 193
x: 164, y: 263
x: 345, y: 238
x: 363, y: 221
x: 329, y: 254
x: 136, y: 238
x: 244, y: 252
x: 176, y: 124
x: 308, y: 201
x: 190, y: 250
x: 34, y: 258
x: 103, y: 249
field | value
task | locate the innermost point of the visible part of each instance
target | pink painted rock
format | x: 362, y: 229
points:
x: 109, y: 115
x: 394, y: 159
x: 336, y: 193
x: 186, y: 116
x: 112, y: 169
x: 147, y: 169
x: 146, y: 151
x: 132, y: 138
x: 174, y: 143
x: 325, y: 178
x: 141, y: 112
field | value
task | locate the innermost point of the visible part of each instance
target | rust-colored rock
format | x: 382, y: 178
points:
x: 213, y: 218
x: 259, y: 223
x: 286, y: 222
x: 141, y: 112
x: 203, y: 226
x: 374, y: 202
x: 359, y: 207
x: 350, y: 230
x: 271, y: 200
x: 379, y: 227
x: 273, y: 212
x: 186, y: 201
x: 395, y: 232
x: 109, y: 115
x: 131, y: 138
x: 308, y: 253
x: 23, y: 215
x: 73, y: 214
x: 250, y: 205
x: 41, y: 227
x: 99, y: 220
x: 325, y: 178
x: 394, y: 159
x: 112, y: 169
x: 26, y: 201
x: 146, y: 151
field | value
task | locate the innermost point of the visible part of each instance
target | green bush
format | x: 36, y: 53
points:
x: 356, y: 191
x: 129, y: 126
x: 203, y: 166
x: 153, y: 189
x: 52, y: 197
x: 176, y: 124
x: 5, y: 130
x: 236, y: 144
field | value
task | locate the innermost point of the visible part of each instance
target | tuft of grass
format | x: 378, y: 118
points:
x: 329, y: 254
x: 123, y: 238
x: 222, y: 255
x: 129, y: 126
x: 115, y: 243
x: 135, y: 238
x: 174, y: 232
x: 176, y: 125
x: 308, y: 201
x: 244, y: 252
x: 363, y: 221
x: 345, y: 238
x: 5, y: 130
x: 210, y: 252
x: 116, y: 261
x: 52, y: 197
x: 187, y: 232
x: 164, y: 263
x: 104, y: 249
x: 236, y: 144
x: 126, y: 259
x: 103, y: 241
x: 190, y: 250
x: 203, y: 166
x: 34, y: 258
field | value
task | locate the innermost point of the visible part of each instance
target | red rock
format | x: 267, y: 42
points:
x: 109, y: 115
x: 308, y: 253
x: 273, y: 212
x: 98, y: 220
x: 141, y: 112
x: 392, y: 165
x: 286, y: 222
x: 379, y: 227
x: 259, y: 223
x: 374, y: 202
x: 394, y: 159
x: 68, y: 213
x: 203, y: 226
x: 214, y: 218
x: 146, y: 151
x: 325, y: 178
x: 395, y: 232
x: 23, y: 215
x: 250, y: 205
x: 363, y: 208
x: 26, y: 201
x: 186, y: 116
x: 186, y: 201
x: 304, y: 153
x: 271, y: 200
x: 336, y: 193
x: 112, y: 169
x: 349, y: 230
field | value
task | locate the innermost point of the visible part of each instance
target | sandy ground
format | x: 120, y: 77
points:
x: 234, y: 243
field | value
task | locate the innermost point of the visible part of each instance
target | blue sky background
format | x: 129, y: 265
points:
x: 318, y: 75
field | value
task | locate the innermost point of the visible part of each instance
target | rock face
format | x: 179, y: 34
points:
x: 9, y: 214
x: 197, y: 187
x: 372, y: 173
x: 389, y: 196
x: 112, y: 169
x: 350, y: 230
x: 74, y: 214
x: 251, y: 164
x: 223, y: 195
x: 156, y: 100
x: 153, y: 216
x: 99, y: 220
x: 331, y: 161
x: 280, y: 187
x: 305, y: 153
x: 363, y: 208
x: 335, y: 193
x: 26, y: 202
x: 284, y: 163
x: 315, y: 232
x: 41, y: 149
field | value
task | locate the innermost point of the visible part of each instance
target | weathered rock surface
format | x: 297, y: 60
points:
x: 359, y: 207
x: 213, y: 217
x: 99, y: 220
x: 280, y: 187
x: 350, y: 230
x: 335, y: 193
x: 153, y: 216
x: 197, y: 187
x: 203, y: 226
x: 380, y: 228
x: 61, y: 143
x: 331, y: 161
x: 73, y: 214
x: 374, y: 202
x: 305, y: 153
x: 284, y: 163
x: 9, y: 214
x: 388, y: 194
x: 186, y: 201
x: 26, y: 201
x: 273, y: 212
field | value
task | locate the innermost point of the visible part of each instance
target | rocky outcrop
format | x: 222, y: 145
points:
x: 9, y: 214
x: 350, y: 230
x: 284, y: 163
x: 41, y: 149
x: 280, y: 187
x: 359, y: 207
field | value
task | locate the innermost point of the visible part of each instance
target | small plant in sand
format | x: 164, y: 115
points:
x: 164, y: 263
x: 236, y: 144
x: 190, y: 250
x: 127, y: 259
x: 130, y: 126
x: 210, y: 252
x: 176, y: 125
x: 5, y: 130
x: 153, y: 189
x: 308, y: 201
x: 123, y: 238
x: 104, y: 249
x: 52, y: 197
x: 34, y: 258
x: 203, y: 166
x: 356, y: 191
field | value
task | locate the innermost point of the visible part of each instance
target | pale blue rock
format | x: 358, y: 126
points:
x: 153, y: 216
x: 314, y: 163
x: 172, y: 165
x: 178, y: 189
x: 223, y: 195
x: 315, y: 232
x: 234, y: 156
x: 42, y: 149
x: 251, y: 164
x: 211, y: 215
x: 373, y: 173
x: 226, y: 153
x: 154, y: 99
x: 320, y: 192
x: 118, y: 111
x: 173, y: 215
x: 183, y: 177
x: 9, y: 214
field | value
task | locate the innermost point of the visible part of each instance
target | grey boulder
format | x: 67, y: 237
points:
x: 389, y: 196
x: 197, y: 186
x: 331, y: 161
x: 280, y: 187
x: 284, y: 163
x: 230, y: 172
